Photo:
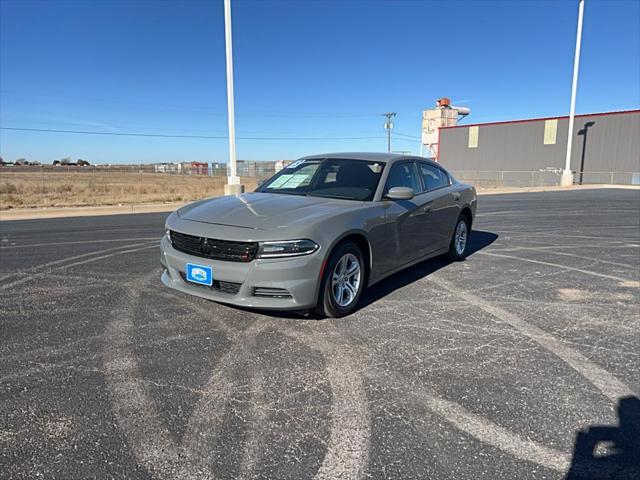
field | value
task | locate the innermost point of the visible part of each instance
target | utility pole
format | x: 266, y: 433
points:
x: 233, y: 181
x: 388, y: 125
x: 566, y: 180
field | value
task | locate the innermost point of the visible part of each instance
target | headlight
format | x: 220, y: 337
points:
x: 286, y: 248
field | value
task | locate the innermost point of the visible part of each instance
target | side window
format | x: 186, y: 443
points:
x: 403, y: 175
x: 433, y: 177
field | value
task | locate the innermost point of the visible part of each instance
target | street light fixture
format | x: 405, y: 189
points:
x: 584, y: 132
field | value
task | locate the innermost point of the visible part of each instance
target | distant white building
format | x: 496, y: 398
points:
x: 168, y: 167
x: 280, y: 164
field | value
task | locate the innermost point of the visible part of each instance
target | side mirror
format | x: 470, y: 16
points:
x: 400, y: 193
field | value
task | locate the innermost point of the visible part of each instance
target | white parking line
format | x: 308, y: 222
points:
x: 470, y: 423
x: 548, y: 246
x: 102, y: 257
x: 57, y: 262
x: 499, y: 437
x: 346, y: 453
x: 505, y: 212
x: 66, y: 259
x: 609, y: 386
x: 556, y: 265
x: 551, y: 233
x: 85, y: 242
x: 136, y: 414
x: 550, y: 250
x: 523, y: 448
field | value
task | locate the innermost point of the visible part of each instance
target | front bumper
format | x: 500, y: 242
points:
x: 299, y: 276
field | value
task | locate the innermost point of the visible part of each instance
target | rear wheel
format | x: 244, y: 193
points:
x: 342, y: 281
x: 459, y: 241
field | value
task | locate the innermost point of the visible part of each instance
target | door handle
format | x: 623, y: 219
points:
x: 427, y: 208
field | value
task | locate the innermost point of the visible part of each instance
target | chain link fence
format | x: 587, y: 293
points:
x: 246, y: 169
x: 70, y: 185
x: 541, y: 178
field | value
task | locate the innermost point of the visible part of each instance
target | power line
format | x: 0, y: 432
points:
x: 204, y: 110
x: 405, y: 135
x: 157, y: 135
x: 118, y: 127
x: 125, y: 128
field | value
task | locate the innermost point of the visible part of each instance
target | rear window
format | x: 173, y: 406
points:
x: 433, y: 177
x: 332, y: 178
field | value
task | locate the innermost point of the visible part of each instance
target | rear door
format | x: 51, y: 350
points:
x: 441, y: 209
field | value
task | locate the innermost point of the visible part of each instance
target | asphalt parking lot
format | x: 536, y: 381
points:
x: 522, y: 362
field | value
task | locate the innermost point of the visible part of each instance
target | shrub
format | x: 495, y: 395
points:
x: 8, y: 188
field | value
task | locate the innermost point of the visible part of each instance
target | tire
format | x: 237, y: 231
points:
x: 460, y: 246
x: 336, y: 285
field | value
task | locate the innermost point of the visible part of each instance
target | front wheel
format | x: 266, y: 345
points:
x: 342, y: 282
x: 459, y: 241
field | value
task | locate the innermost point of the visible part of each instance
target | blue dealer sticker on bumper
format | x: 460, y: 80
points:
x: 200, y: 274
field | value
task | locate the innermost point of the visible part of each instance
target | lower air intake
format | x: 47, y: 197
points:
x: 270, y: 292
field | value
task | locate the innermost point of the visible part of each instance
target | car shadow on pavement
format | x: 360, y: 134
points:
x: 477, y: 241
x: 611, y: 452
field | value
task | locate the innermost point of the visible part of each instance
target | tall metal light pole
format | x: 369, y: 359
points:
x: 388, y: 125
x: 566, y: 180
x: 233, y: 181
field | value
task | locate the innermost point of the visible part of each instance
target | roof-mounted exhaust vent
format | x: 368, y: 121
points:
x: 442, y: 115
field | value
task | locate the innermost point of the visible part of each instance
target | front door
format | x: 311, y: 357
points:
x: 405, y: 218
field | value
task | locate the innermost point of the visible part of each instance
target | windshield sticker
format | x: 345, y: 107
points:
x: 376, y: 168
x: 290, y: 180
x: 297, y: 180
x: 281, y: 180
x: 295, y: 164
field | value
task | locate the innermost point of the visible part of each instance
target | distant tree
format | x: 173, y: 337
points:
x: 66, y: 161
x: 83, y: 163
x: 21, y: 161
x: 56, y: 162
x: 35, y: 163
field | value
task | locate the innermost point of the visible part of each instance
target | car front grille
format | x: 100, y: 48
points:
x: 231, y: 288
x: 214, y: 249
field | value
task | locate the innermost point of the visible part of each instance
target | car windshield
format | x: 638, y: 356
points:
x: 330, y: 177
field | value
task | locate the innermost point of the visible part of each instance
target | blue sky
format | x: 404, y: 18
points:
x: 305, y: 69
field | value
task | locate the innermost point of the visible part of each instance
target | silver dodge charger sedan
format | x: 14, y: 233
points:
x: 318, y: 232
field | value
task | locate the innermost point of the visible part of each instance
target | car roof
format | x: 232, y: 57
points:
x: 371, y: 156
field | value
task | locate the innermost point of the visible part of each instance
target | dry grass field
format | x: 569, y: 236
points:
x: 46, y: 188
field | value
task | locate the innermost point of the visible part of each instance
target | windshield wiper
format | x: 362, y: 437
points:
x: 302, y: 194
x: 339, y: 197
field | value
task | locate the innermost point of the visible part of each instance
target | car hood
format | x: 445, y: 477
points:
x: 260, y: 211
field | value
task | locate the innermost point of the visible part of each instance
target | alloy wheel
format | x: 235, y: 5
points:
x: 460, y: 240
x: 345, y: 280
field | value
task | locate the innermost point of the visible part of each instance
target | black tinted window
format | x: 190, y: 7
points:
x: 433, y: 177
x: 403, y: 175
